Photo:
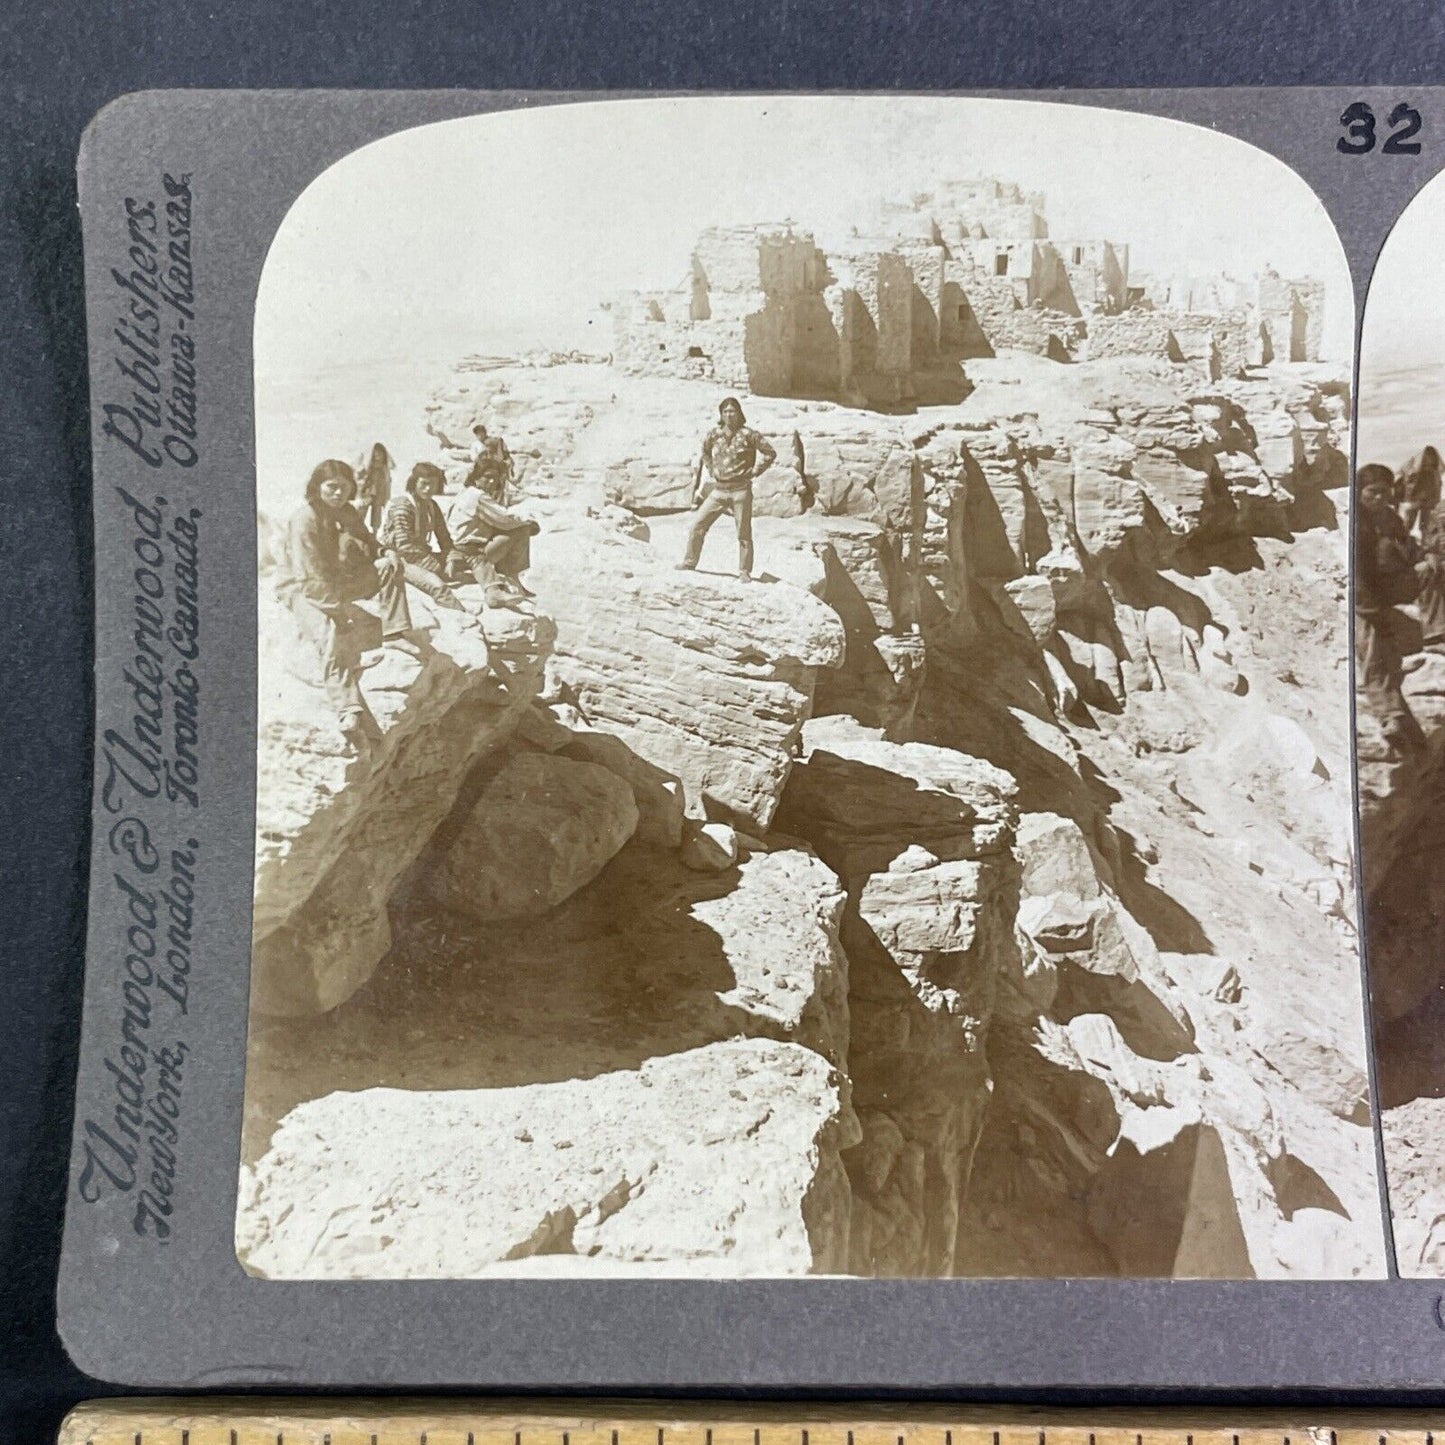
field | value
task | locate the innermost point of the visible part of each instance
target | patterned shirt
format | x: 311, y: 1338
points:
x: 410, y: 525
x: 732, y: 456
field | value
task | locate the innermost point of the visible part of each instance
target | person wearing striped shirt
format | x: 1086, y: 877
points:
x: 414, y: 528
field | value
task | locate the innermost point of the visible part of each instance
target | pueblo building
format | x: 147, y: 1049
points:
x: 886, y: 317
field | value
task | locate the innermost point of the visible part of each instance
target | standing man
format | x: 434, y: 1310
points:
x: 733, y: 454
x: 373, y: 484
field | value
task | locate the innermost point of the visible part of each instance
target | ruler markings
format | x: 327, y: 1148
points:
x: 322, y: 1421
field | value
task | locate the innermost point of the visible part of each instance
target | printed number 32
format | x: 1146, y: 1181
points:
x: 1359, y: 137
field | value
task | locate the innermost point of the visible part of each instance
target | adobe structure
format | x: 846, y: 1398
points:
x: 886, y: 319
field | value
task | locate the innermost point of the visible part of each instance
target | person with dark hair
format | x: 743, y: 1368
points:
x: 331, y: 562
x: 1430, y: 573
x: 494, y: 451
x: 413, y: 527
x: 1418, y: 488
x: 373, y: 484
x: 490, y: 541
x: 733, y: 454
x: 1385, y: 579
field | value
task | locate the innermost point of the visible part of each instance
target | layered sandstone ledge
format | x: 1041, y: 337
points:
x: 891, y: 941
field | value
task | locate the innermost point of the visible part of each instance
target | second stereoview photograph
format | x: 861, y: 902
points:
x: 1400, y: 713
x: 804, y: 704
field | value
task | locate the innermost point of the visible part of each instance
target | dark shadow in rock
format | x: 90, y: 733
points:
x: 842, y: 594
x: 1410, y: 1052
x: 1036, y: 539
x: 1168, y: 922
x: 1233, y: 554
x: 1312, y: 509
x: 1047, y: 1131
x: 1297, y: 1186
x: 990, y: 552
x: 1080, y: 716
x: 479, y: 775
x: 1137, y: 1011
x: 1171, y: 1213
x: 859, y: 817
x: 920, y: 1087
x: 1093, y: 693
x: 944, y: 384
x: 619, y: 973
x: 1104, y: 793
x: 863, y: 686
x: 1141, y: 589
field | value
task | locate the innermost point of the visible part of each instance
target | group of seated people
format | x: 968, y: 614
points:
x: 1399, y: 562
x: 332, y: 560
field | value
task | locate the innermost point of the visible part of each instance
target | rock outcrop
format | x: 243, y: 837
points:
x: 337, y: 832
x: 542, y: 828
x: 705, y: 679
x: 720, y: 1160
x: 969, y: 894
x: 921, y: 838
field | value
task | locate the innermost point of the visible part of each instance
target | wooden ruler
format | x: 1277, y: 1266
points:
x: 217, y: 1420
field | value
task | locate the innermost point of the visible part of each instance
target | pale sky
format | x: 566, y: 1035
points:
x: 499, y: 233
x: 1402, y: 352
x: 1405, y: 307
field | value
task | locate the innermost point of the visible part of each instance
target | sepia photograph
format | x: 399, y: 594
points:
x: 804, y: 701
x: 1400, y: 714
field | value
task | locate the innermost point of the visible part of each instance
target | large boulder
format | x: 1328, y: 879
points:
x: 337, y: 830
x: 720, y: 1160
x: 706, y: 678
x: 544, y: 827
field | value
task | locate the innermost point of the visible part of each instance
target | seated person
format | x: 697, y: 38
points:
x: 490, y: 541
x: 330, y: 562
x: 1430, y: 573
x: 1387, y: 577
x: 1417, y: 489
x: 495, y: 450
x: 413, y: 527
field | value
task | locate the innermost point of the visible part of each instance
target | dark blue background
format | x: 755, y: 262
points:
x: 62, y: 59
